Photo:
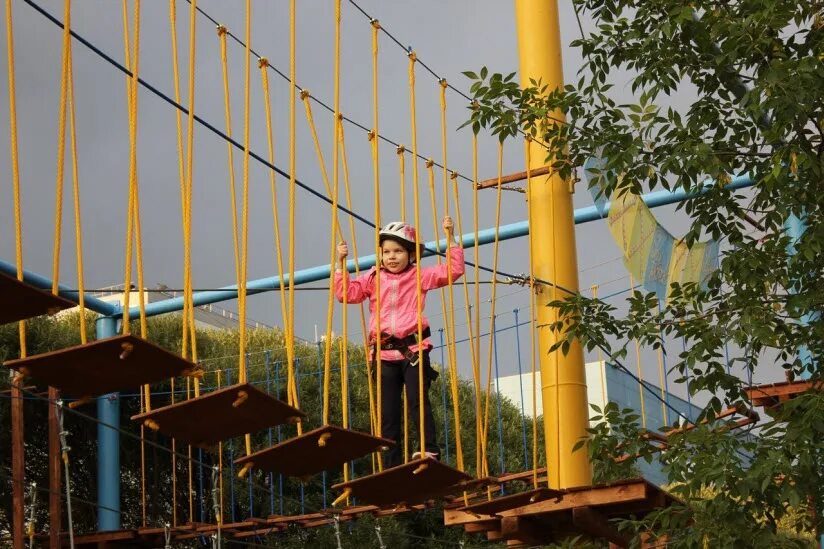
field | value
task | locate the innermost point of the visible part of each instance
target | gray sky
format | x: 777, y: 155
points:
x: 449, y: 37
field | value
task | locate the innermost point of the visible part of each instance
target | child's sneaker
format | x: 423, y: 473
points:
x: 417, y: 455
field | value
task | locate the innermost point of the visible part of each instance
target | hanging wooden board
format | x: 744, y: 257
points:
x: 315, y: 451
x: 19, y: 300
x: 103, y: 366
x: 410, y: 483
x: 220, y: 415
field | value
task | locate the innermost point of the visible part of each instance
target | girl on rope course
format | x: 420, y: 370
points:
x: 399, y: 325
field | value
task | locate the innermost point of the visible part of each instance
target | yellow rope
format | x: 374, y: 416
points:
x: 221, y: 32
x: 244, y: 259
x: 187, y: 218
x: 401, y: 151
x: 373, y: 138
x: 15, y: 165
x: 476, y: 344
x: 290, y: 339
x: 364, y: 332
x: 129, y: 209
x: 263, y: 63
x: 532, y: 327
x: 448, y: 315
x: 419, y: 291
x: 180, y: 155
x: 485, y: 433
x: 61, y: 146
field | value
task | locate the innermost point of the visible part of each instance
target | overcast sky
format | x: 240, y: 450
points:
x: 449, y: 37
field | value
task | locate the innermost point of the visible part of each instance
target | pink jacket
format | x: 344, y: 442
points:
x: 399, y: 304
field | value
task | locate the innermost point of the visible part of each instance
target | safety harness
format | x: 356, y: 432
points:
x: 401, y: 344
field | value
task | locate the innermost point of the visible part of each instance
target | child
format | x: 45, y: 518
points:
x: 399, y: 326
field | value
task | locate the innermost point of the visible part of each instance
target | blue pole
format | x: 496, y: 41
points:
x: 268, y: 365
x: 498, y: 399
x: 297, y: 388
x: 108, y: 446
x: 231, y: 459
x: 443, y: 393
x: 280, y: 438
x: 320, y: 397
x: 321, y: 272
x: 521, y: 383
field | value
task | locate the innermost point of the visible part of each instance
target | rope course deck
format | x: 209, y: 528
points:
x: 315, y: 451
x: 103, y: 366
x: 772, y: 395
x: 556, y: 514
x: 220, y: 415
x: 410, y: 483
x: 19, y: 300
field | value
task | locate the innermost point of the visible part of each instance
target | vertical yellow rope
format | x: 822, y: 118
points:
x: 182, y: 184
x: 188, y: 310
x: 263, y: 64
x: 335, y: 232
x: 244, y: 260
x: 61, y: 146
x: 221, y: 32
x: 401, y: 150
x: 290, y: 339
x: 639, y: 371
x: 180, y: 155
x: 450, y: 336
x: 419, y: 292
x: 476, y: 366
x: 76, y: 195
x: 15, y: 165
x: 373, y: 138
x: 532, y: 327
x: 364, y: 332
x: 485, y: 432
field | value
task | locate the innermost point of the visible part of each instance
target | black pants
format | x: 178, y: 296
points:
x: 394, y: 376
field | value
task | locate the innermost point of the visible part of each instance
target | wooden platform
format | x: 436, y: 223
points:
x: 574, y: 511
x: 772, y: 395
x: 410, y: 483
x: 103, y: 366
x: 315, y: 451
x: 220, y: 415
x: 19, y: 301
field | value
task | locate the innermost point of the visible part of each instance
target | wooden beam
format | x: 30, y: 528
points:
x: 512, y: 178
x: 455, y: 517
x: 524, y: 530
x: 18, y: 470
x: 597, y: 495
x: 482, y: 526
x: 592, y: 523
x: 54, y: 470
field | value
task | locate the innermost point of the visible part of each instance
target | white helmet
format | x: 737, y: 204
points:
x: 402, y: 233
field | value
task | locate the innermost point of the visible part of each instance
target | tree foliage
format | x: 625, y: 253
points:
x: 719, y: 89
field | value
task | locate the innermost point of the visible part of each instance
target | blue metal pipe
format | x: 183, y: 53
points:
x: 38, y: 281
x: 108, y: 447
x: 487, y: 236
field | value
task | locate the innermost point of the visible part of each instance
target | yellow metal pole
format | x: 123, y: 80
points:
x: 563, y: 379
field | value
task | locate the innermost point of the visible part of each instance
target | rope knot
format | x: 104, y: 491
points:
x: 375, y: 23
x: 370, y: 135
x: 263, y: 62
x: 443, y: 83
x: 304, y: 94
x: 400, y: 149
x: 339, y: 117
x: 412, y: 55
x: 222, y: 30
x: 453, y: 174
x: 430, y: 163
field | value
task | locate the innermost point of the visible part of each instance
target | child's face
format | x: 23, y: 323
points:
x: 394, y: 257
